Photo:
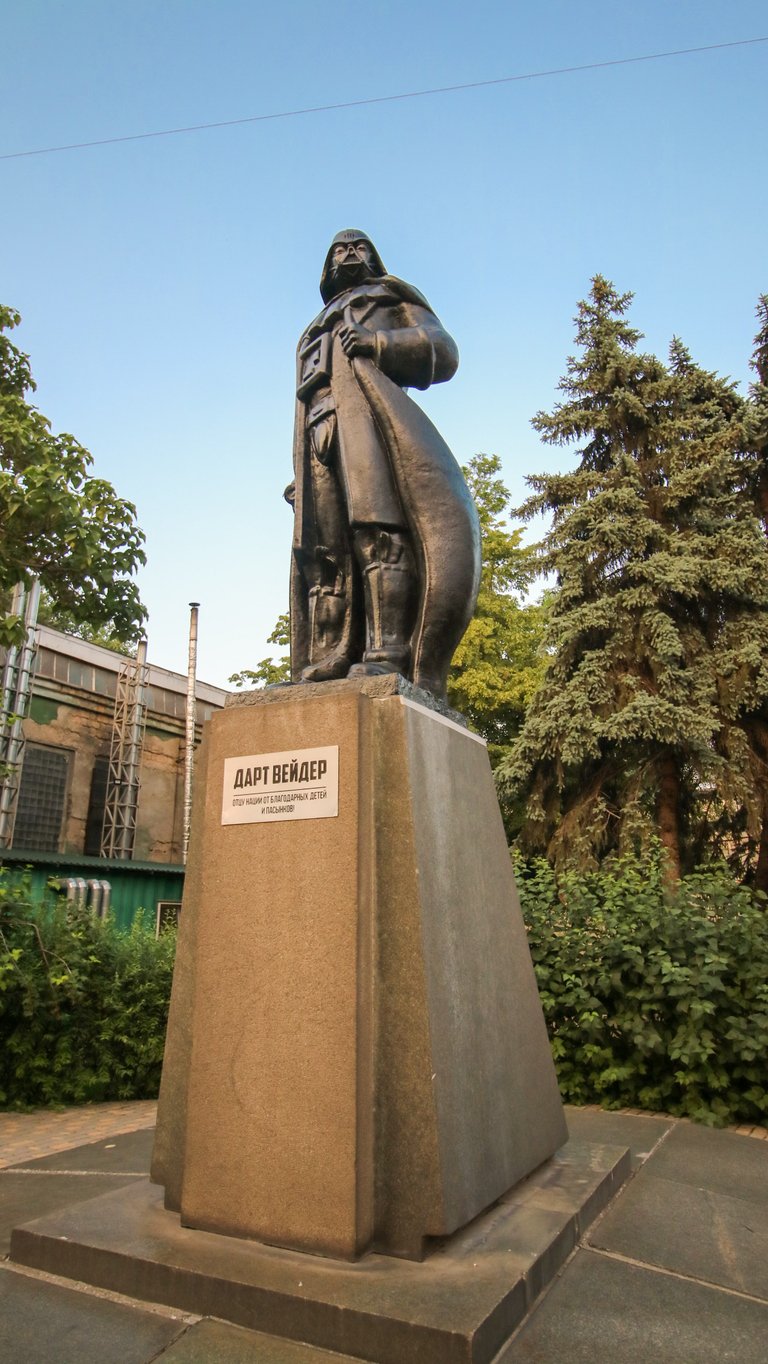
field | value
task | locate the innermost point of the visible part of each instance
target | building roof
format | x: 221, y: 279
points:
x: 82, y: 649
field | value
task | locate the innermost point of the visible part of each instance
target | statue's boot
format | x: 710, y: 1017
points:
x: 335, y: 665
x: 330, y: 624
x: 389, y: 601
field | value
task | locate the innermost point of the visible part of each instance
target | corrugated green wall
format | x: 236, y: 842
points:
x: 135, y: 885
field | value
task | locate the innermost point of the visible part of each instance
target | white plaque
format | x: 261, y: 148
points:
x: 299, y: 784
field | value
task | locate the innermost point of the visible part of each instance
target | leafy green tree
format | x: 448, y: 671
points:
x: 499, y: 662
x: 60, y: 524
x: 103, y: 635
x: 270, y: 671
x: 658, y: 635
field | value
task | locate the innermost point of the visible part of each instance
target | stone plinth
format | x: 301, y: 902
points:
x: 458, y: 1306
x: 356, y: 1052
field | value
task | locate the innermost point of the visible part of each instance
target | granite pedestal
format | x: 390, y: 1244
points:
x: 356, y: 1055
x: 360, y: 1137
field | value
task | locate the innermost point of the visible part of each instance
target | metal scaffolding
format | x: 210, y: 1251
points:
x: 15, y: 691
x: 123, y: 782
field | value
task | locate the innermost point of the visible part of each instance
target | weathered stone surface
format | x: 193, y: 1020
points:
x: 464, y: 1060
x: 388, y: 684
x: 356, y: 1050
x: 711, y: 1236
x: 721, y: 1162
x: 127, y: 1153
x: 41, y: 1322
x: 271, y: 1146
x: 641, y: 1134
x: 699, y: 1207
x: 24, y: 1196
x: 458, y: 1306
x: 603, y: 1311
x: 214, y: 1342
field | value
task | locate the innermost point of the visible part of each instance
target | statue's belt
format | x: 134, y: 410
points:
x: 314, y: 358
x: 314, y: 365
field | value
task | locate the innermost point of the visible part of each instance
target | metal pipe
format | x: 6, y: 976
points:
x: 77, y: 890
x: 191, y: 719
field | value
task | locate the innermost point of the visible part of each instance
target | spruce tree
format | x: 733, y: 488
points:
x: 659, y: 631
x: 756, y: 443
x: 755, y: 458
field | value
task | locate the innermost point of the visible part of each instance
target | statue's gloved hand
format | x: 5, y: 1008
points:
x: 357, y: 340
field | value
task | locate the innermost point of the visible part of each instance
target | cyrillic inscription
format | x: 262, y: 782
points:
x: 302, y: 784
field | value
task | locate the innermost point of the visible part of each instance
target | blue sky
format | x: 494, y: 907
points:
x: 164, y: 282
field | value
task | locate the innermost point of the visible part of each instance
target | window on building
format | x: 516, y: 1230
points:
x: 42, y: 798
x: 98, y: 799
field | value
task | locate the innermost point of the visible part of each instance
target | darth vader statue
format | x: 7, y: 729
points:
x: 386, y: 550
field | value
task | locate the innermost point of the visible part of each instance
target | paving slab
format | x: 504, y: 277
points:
x: 692, y: 1231
x: 604, y: 1311
x: 25, y: 1136
x: 640, y: 1133
x: 24, y: 1196
x: 457, y: 1307
x: 42, y: 1322
x: 214, y: 1342
x: 722, y: 1162
x: 124, y: 1153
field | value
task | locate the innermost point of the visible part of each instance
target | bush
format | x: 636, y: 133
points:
x: 655, y: 998
x: 83, y: 1007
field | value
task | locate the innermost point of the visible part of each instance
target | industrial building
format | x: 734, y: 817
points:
x: 84, y: 701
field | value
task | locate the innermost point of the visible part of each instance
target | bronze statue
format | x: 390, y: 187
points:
x: 386, y: 550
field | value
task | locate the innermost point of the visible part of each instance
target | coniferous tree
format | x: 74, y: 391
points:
x: 755, y: 451
x: 659, y: 631
x: 757, y: 416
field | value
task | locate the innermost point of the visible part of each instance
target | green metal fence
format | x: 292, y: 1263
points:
x: 133, y: 885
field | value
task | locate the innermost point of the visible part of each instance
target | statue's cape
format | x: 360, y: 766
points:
x: 437, y: 505
x: 441, y: 516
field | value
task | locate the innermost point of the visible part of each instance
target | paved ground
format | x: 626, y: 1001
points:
x: 674, y: 1272
x: 25, y: 1136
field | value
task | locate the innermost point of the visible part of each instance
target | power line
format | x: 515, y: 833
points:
x: 382, y: 99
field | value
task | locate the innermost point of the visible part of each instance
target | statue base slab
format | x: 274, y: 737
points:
x: 459, y: 1306
x: 356, y: 1055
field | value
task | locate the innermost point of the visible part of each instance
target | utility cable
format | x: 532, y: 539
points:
x: 382, y: 99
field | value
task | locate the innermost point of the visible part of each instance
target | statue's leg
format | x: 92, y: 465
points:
x: 390, y: 587
x: 328, y: 567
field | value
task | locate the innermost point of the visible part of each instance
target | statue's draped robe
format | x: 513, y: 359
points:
x: 393, y: 466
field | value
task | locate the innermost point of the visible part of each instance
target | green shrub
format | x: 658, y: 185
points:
x: 655, y: 998
x: 83, y: 1007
